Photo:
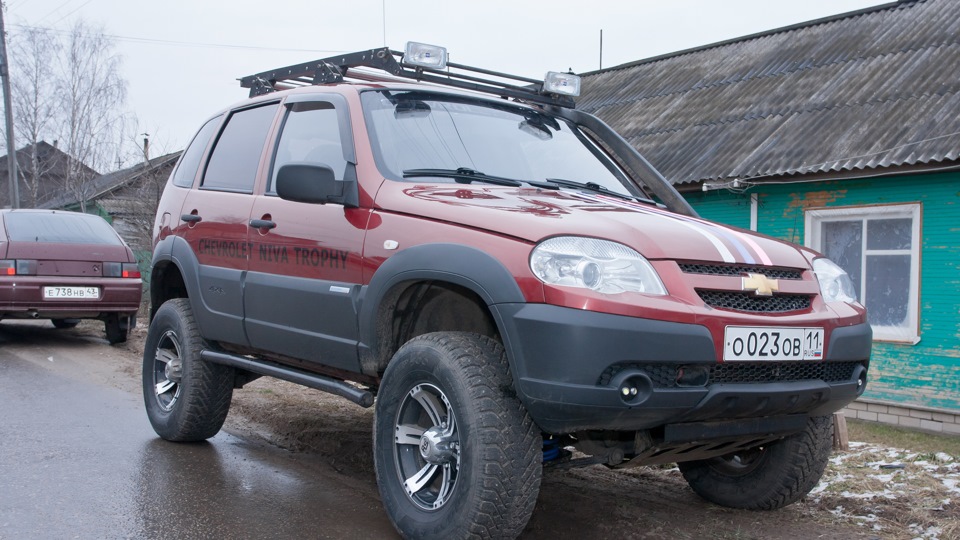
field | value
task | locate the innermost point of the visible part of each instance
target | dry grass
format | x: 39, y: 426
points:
x: 896, y: 493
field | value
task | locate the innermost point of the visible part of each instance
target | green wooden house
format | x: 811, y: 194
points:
x: 841, y: 134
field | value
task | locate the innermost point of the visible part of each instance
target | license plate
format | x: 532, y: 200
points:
x: 771, y: 344
x: 71, y: 292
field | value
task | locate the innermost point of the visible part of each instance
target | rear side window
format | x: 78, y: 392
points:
x: 233, y: 164
x: 187, y: 168
x: 59, y: 227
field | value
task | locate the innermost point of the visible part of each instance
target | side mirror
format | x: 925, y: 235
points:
x: 312, y: 183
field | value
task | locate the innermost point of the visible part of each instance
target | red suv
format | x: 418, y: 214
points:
x: 504, y: 278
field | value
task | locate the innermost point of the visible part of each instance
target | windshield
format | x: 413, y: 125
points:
x: 413, y: 130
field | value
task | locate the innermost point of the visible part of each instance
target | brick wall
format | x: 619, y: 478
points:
x: 915, y: 418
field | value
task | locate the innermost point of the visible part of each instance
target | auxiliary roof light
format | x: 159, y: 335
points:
x: 423, y: 55
x: 566, y: 84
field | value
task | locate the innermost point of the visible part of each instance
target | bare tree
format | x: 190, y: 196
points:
x: 94, y: 92
x: 68, y: 88
x: 34, y: 61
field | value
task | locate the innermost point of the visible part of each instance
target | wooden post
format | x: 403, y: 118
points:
x: 841, y: 440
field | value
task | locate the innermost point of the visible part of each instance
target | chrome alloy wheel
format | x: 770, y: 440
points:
x: 167, y: 370
x: 427, y: 446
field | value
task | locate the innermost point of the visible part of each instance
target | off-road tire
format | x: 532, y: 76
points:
x: 203, y: 392
x: 774, y: 476
x: 64, y: 324
x: 116, y: 333
x: 500, y: 456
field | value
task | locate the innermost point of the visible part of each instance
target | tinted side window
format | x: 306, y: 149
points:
x: 59, y: 227
x: 190, y: 160
x: 233, y: 163
x: 311, y: 134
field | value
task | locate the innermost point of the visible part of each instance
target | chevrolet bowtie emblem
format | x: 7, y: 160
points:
x: 760, y: 284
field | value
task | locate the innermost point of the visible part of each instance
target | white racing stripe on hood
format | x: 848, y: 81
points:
x: 717, y: 243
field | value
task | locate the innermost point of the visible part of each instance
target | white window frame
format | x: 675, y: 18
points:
x: 813, y: 220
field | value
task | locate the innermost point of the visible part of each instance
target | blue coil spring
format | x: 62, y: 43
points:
x: 551, y: 449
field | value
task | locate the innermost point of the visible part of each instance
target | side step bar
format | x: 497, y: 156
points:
x: 312, y: 380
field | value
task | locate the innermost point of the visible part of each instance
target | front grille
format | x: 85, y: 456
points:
x: 741, y: 269
x: 759, y: 372
x: 750, y: 302
x: 665, y: 375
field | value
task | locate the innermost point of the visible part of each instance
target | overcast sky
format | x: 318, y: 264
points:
x: 181, y: 58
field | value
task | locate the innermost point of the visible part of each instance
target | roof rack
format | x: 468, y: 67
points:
x: 335, y: 69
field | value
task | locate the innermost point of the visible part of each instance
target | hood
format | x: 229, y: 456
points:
x: 535, y: 214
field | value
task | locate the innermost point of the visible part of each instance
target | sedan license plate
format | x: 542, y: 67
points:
x: 772, y: 343
x: 71, y: 292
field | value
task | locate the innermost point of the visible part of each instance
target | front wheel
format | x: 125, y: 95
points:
x: 456, y: 454
x: 187, y: 398
x: 766, y: 477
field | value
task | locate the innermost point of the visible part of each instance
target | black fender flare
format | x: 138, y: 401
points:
x: 466, y: 266
x: 176, y: 251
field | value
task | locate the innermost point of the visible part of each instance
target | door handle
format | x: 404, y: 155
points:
x: 262, y: 224
x: 190, y: 218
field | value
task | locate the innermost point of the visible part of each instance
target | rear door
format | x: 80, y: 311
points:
x: 214, y: 220
x: 305, y: 259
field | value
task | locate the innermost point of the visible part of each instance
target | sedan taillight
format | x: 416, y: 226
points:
x: 19, y: 267
x: 130, y: 270
x: 121, y: 270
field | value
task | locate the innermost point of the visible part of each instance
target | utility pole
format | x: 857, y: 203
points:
x: 8, y: 113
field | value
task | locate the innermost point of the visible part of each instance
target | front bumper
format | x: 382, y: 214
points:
x: 570, y: 366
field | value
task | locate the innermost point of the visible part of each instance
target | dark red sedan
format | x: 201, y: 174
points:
x: 66, y: 266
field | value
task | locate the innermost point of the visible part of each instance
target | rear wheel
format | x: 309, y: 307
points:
x: 64, y: 324
x: 766, y: 477
x: 456, y: 454
x: 187, y: 399
x: 116, y: 330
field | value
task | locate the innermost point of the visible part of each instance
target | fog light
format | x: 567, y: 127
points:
x: 634, y: 388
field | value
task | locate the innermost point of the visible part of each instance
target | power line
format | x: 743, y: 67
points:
x: 54, y: 10
x: 153, y: 41
x: 78, y: 8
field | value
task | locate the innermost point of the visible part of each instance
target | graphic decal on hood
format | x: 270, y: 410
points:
x: 711, y: 231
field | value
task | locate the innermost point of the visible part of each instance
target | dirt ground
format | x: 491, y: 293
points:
x: 871, y: 491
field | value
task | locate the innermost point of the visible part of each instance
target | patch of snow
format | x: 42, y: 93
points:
x: 952, y: 485
x: 886, y: 494
x: 944, y: 457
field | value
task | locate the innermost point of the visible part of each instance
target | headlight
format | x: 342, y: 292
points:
x: 835, y: 284
x: 589, y: 263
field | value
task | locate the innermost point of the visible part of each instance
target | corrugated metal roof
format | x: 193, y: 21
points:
x: 104, y: 184
x: 874, y: 88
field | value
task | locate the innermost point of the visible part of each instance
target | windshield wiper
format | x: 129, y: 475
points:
x: 593, y: 186
x: 463, y: 175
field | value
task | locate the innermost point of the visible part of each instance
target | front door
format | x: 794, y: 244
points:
x: 305, y: 259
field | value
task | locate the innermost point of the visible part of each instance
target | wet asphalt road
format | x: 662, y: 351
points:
x: 78, y: 459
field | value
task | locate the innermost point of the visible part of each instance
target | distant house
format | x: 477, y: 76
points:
x: 127, y: 199
x: 43, y: 172
x: 842, y: 134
